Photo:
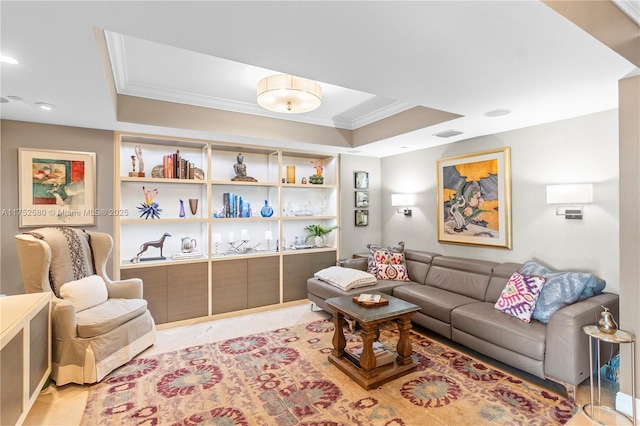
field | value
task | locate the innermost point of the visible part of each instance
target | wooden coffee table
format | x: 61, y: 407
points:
x: 364, y: 371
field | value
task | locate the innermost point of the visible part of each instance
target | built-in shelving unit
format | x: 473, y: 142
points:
x: 237, y: 266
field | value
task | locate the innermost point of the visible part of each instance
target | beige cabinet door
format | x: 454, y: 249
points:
x: 229, y: 285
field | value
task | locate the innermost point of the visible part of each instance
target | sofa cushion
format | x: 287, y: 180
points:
x: 391, y: 272
x: 86, y: 292
x: 519, y: 296
x: 345, y: 278
x: 561, y: 289
x: 594, y: 287
x: 433, y: 302
x: 468, y: 277
x: 500, y: 275
x: 371, y: 262
x: 325, y: 290
x: 108, y: 316
x: 418, y: 264
x: 390, y: 266
x: 484, y: 322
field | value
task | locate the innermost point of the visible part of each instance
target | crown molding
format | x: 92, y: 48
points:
x: 116, y: 48
x: 631, y: 8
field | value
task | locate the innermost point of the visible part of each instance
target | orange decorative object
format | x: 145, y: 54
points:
x: 291, y: 174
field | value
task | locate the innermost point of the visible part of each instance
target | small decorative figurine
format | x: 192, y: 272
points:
x: 140, y: 161
x: 607, y: 324
x: 133, y: 167
x: 241, y: 171
x: 140, y: 172
x: 159, y: 243
x: 149, y: 208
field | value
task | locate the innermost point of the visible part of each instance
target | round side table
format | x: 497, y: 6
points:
x: 619, y: 337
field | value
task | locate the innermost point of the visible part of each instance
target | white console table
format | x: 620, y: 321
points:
x: 25, y: 354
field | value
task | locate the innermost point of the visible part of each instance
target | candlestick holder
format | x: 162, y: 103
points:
x: 217, y: 239
x: 239, y: 247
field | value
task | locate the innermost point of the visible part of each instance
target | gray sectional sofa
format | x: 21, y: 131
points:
x: 456, y: 298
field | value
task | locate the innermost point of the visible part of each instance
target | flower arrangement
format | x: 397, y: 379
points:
x: 317, y: 179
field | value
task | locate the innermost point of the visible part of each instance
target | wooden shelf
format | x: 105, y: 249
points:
x: 287, y: 269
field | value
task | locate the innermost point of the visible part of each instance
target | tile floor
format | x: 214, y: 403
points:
x: 64, y: 405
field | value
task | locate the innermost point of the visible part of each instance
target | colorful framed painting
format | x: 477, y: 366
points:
x: 474, y: 199
x: 56, y: 187
x: 362, y: 217
x: 362, y: 199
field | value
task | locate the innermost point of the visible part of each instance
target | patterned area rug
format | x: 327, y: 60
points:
x: 283, y: 378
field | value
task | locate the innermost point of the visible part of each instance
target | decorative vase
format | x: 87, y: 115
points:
x: 181, y: 214
x: 266, y: 210
x: 320, y: 241
x: 193, y: 206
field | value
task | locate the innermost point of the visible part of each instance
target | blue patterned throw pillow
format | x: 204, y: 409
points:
x: 561, y: 289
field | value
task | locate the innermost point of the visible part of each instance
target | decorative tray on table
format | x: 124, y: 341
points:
x: 370, y: 300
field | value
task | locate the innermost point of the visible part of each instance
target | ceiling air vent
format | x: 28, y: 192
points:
x: 448, y: 133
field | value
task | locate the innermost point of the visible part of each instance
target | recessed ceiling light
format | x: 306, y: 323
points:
x: 46, y: 106
x: 8, y: 60
x: 497, y: 113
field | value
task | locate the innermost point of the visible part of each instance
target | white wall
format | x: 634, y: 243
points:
x: 354, y: 239
x: 583, y: 149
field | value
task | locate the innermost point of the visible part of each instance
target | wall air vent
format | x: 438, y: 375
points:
x: 448, y: 133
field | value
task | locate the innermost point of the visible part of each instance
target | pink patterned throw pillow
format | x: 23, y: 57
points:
x: 373, y: 248
x: 390, y: 266
x: 519, y: 296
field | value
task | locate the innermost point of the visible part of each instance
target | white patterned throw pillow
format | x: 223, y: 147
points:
x: 345, y: 278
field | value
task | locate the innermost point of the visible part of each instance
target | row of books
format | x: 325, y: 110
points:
x: 383, y: 355
x: 176, y: 167
x: 235, y: 206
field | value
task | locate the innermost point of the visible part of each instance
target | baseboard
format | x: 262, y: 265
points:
x: 623, y: 404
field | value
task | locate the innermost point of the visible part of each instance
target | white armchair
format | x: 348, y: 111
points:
x: 97, y: 324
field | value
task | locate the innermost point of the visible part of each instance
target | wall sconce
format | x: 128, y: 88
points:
x: 403, y: 201
x: 571, y: 197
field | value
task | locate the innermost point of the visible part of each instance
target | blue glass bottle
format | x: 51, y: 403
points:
x: 266, y: 210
